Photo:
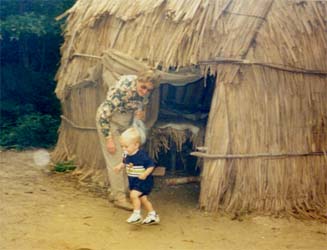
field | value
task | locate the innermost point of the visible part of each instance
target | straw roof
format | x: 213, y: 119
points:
x: 185, y: 32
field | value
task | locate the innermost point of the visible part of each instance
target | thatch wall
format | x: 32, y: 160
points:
x: 270, y: 101
x: 281, y: 118
x: 78, y: 140
x: 270, y: 96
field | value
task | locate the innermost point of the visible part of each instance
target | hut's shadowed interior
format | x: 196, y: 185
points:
x: 183, y: 112
x: 265, y: 139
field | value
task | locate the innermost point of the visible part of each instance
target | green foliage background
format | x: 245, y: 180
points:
x: 30, y: 39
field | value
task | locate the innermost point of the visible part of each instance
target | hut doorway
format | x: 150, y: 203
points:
x: 180, y: 128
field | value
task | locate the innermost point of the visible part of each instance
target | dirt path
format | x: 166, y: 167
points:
x: 46, y: 211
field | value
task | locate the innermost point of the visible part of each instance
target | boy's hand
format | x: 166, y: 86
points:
x: 142, y: 176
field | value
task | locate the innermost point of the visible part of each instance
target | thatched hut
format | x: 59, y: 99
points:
x: 266, y: 136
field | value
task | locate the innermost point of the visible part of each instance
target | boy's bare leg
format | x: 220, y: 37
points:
x: 135, y: 198
x: 152, y: 217
x: 136, y: 215
x: 147, y: 204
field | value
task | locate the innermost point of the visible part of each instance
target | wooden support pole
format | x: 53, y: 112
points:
x: 267, y: 155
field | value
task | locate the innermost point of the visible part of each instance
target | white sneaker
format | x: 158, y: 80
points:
x: 134, y: 218
x: 151, y: 219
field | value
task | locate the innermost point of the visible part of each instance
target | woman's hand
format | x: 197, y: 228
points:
x: 118, y: 168
x: 139, y: 114
x: 111, y: 146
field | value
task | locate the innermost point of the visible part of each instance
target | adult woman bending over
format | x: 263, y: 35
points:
x: 123, y: 103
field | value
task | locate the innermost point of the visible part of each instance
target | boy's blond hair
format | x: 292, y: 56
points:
x: 131, y: 135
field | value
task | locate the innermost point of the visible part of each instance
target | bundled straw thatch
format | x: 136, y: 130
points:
x: 266, y: 136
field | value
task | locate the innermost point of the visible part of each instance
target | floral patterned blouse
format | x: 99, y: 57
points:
x: 121, y: 98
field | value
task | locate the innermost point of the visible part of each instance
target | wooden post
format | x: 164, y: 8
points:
x: 173, y: 158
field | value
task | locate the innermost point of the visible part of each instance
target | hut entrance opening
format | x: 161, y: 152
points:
x: 181, y: 124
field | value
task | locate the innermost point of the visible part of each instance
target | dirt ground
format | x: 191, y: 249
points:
x: 51, y: 211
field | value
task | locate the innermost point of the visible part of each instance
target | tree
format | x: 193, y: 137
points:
x: 29, y: 45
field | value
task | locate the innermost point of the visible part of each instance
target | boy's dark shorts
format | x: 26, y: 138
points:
x: 143, y: 186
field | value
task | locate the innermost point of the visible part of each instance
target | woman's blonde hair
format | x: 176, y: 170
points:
x: 149, y: 76
x: 131, y: 135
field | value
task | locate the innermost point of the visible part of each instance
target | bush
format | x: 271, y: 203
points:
x: 31, y: 130
x: 65, y: 166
